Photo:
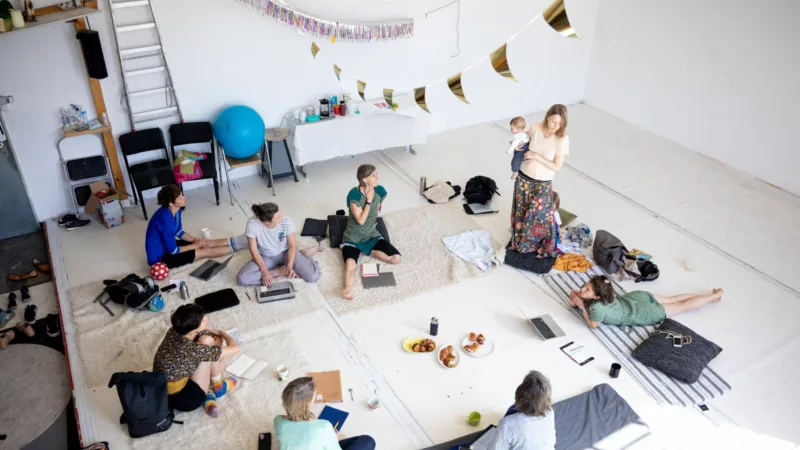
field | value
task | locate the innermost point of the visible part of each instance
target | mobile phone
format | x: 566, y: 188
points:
x: 677, y: 341
x: 265, y: 441
x: 168, y: 288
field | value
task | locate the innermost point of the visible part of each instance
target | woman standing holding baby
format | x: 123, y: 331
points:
x: 532, y: 223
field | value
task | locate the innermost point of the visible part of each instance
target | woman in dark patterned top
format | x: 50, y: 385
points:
x: 361, y: 234
x: 193, y: 360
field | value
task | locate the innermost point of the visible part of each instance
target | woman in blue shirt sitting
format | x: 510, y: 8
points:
x: 166, y: 241
x: 300, y: 429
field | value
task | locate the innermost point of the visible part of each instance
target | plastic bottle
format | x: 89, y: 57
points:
x: 586, y: 238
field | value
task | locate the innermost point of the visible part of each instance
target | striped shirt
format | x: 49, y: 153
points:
x: 271, y: 241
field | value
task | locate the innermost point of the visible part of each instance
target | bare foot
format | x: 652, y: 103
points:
x: 281, y: 271
x: 347, y: 294
x: 718, y: 292
x: 395, y: 259
x: 311, y: 251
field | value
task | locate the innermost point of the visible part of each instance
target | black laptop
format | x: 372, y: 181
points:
x: 210, y: 268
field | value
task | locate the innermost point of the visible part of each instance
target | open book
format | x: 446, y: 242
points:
x: 369, y: 270
x: 246, y: 367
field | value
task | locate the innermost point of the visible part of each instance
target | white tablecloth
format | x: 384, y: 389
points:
x: 351, y: 135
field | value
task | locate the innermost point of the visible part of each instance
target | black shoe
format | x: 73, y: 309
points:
x: 30, y: 314
x: 26, y: 294
x: 78, y: 223
x: 67, y: 218
x: 53, y: 325
x: 12, y: 301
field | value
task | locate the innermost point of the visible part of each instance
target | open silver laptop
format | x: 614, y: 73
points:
x: 210, y: 268
x: 282, y: 290
x: 544, y: 326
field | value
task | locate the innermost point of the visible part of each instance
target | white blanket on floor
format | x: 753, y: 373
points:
x: 472, y: 246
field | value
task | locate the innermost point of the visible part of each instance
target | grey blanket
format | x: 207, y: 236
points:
x: 584, y: 420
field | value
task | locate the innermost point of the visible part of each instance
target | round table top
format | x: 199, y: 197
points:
x: 34, y: 379
x: 277, y: 134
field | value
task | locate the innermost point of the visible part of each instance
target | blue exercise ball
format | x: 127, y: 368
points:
x: 240, y: 131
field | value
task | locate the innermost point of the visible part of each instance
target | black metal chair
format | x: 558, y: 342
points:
x: 149, y: 174
x: 197, y: 133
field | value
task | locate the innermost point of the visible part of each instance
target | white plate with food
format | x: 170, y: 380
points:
x: 419, y: 345
x: 448, y: 357
x: 477, y: 345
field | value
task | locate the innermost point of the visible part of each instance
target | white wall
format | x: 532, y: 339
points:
x: 221, y: 53
x: 716, y: 76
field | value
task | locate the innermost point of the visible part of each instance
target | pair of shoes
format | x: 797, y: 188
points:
x: 12, y: 301
x: 41, y: 266
x: 23, y: 276
x: 30, y: 314
x: 6, y: 316
x: 77, y: 223
x: 53, y: 325
x: 26, y: 329
x: 67, y: 218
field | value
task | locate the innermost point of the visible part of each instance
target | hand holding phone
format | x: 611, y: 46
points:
x: 265, y: 441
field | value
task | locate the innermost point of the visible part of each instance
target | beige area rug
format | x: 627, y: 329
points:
x: 426, y: 263
x: 245, y: 412
x: 35, y: 389
x: 128, y: 341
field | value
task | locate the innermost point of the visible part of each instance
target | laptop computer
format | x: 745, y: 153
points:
x: 282, y: 290
x: 210, y: 268
x: 545, y: 326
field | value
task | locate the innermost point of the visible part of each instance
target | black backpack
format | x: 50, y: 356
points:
x: 608, y: 251
x: 648, y: 271
x: 143, y: 396
x: 133, y: 290
x: 480, y: 189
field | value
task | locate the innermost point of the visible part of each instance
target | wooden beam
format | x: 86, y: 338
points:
x: 108, y: 137
x: 46, y: 10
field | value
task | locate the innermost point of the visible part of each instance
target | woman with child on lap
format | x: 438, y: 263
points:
x: 598, y: 304
x: 273, y: 245
x: 166, y: 241
x: 193, y: 360
x: 299, y: 429
x: 361, y: 233
x: 532, y: 222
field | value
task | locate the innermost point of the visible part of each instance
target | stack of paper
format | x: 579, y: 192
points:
x: 369, y: 270
x: 246, y: 367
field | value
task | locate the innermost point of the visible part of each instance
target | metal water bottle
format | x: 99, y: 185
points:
x: 184, y: 291
x: 434, y: 326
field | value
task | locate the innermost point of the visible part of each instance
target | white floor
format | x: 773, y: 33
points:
x: 651, y: 193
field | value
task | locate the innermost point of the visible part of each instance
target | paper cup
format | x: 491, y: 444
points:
x: 206, y: 233
x: 374, y: 403
x: 283, y: 372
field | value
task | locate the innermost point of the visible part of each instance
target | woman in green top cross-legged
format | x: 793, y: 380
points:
x: 599, y: 304
x: 361, y: 234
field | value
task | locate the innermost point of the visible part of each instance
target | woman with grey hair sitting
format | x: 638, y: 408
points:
x: 300, y: 429
x: 532, y: 427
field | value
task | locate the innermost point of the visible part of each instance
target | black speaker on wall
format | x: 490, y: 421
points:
x: 93, y: 54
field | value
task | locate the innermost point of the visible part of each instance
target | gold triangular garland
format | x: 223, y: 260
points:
x: 419, y: 97
x: 338, y: 72
x: 556, y: 16
x: 387, y: 95
x: 500, y: 62
x: 362, y: 86
x: 454, y: 83
x: 314, y: 49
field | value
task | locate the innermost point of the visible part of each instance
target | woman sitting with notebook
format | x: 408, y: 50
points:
x: 273, y: 245
x: 361, y: 234
x: 299, y: 428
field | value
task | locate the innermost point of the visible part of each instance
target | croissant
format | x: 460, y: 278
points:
x: 481, y: 339
x: 473, y: 337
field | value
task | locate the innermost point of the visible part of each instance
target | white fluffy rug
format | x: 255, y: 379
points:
x: 128, y: 341
x: 426, y: 263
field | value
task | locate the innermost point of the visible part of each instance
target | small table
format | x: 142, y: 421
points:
x: 356, y: 134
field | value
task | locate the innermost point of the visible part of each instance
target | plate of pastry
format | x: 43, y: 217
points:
x: 477, y: 345
x: 419, y: 345
x: 448, y: 357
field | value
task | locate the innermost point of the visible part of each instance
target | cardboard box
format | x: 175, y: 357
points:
x: 105, y: 205
x: 329, y: 386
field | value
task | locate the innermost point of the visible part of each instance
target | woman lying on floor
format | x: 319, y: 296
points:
x: 299, y: 429
x: 166, y: 241
x: 273, y: 245
x: 361, y: 234
x: 193, y: 360
x: 599, y: 304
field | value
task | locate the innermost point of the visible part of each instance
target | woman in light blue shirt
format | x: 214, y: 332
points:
x: 532, y: 424
x: 299, y: 429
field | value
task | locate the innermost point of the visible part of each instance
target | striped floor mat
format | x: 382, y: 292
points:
x: 621, y: 341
